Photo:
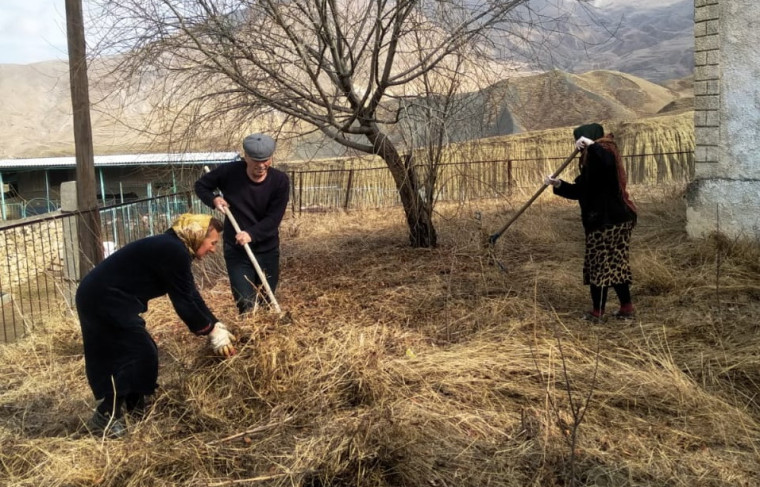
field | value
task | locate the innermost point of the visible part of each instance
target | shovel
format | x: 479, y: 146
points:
x: 494, y: 237
x: 259, y: 272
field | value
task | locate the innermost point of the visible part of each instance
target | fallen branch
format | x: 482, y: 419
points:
x: 252, y: 431
x: 252, y: 479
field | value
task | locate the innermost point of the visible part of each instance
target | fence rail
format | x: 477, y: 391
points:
x: 39, y: 263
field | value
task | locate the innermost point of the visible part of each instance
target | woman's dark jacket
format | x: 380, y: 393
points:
x: 121, y: 286
x: 598, y: 191
x: 120, y: 355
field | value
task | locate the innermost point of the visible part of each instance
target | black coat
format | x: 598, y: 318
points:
x: 598, y: 191
x: 111, y: 298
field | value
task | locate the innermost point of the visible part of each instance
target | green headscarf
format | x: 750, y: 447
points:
x: 593, y: 131
x: 191, y: 228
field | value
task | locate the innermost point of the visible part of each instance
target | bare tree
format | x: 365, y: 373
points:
x: 339, y: 67
x: 430, y: 121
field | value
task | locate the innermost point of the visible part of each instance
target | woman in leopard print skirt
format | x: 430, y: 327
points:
x: 608, y: 217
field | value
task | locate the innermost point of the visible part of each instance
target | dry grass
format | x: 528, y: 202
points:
x: 406, y: 367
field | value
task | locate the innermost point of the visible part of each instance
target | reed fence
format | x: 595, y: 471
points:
x: 373, y: 187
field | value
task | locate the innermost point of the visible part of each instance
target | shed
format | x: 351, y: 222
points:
x: 32, y: 186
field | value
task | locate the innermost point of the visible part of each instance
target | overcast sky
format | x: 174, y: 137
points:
x: 32, y: 31
x: 35, y: 30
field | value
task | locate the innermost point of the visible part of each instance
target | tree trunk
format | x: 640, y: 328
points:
x: 418, y: 215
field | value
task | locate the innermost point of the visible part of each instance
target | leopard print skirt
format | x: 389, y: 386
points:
x: 607, y: 262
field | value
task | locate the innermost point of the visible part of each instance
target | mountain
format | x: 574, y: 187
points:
x: 557, y: 99
x: 650, y: 39
x: 37, y: 115
x: 653, y: 40
x: 531, y: 103
x: 623, y: 60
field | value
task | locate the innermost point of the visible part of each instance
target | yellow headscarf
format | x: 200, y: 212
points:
x: 191, y: 228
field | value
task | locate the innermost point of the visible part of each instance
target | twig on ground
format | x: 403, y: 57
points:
x: 251, y: 431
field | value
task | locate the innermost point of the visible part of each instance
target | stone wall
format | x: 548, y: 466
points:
x: 29, y: 250
x: 725, y: 193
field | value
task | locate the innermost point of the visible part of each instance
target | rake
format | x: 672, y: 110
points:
x: 494, y: 237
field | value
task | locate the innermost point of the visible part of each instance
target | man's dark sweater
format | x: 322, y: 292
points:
x: 258, y: 208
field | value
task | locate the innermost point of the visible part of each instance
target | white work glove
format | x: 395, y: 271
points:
x: 550, y: 181
x: 583, y: 142
x: 220, y: 340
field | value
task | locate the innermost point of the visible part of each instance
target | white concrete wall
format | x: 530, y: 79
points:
x: 725, y: 194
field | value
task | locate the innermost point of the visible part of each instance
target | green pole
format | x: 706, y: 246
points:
x: 150, y: 210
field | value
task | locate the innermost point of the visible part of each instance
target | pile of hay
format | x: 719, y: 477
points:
x: 428, y: 367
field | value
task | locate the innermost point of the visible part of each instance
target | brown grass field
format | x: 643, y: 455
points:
x: 395, y: 366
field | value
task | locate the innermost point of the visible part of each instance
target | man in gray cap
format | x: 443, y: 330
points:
x: 257, y: 196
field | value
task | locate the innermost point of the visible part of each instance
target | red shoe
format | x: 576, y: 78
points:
x: 626, y: 312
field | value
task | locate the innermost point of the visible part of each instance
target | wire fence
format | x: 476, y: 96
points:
x: 39, y: 262
x: 39, y: 257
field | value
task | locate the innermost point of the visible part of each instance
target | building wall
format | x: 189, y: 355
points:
x: 725, y: 194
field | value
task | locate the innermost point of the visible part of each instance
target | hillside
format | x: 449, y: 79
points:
x: 649, y: 39
x: 40, y: 92
x: 36, y: 109
x: 558, y: 99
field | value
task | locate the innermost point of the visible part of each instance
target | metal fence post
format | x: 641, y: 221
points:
x: 293, y: 193
x: 300, y: 192
x: 348, y: 188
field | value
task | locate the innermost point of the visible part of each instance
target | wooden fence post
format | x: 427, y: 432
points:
x: 88, y: 216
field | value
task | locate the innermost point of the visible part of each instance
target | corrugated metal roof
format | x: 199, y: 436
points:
x: 190, y: 158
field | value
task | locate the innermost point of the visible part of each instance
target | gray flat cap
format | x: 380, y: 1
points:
x: 259, y: 147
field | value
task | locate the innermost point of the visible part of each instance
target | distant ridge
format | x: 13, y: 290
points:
x: 37, y: 117
x: 653, y: 40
